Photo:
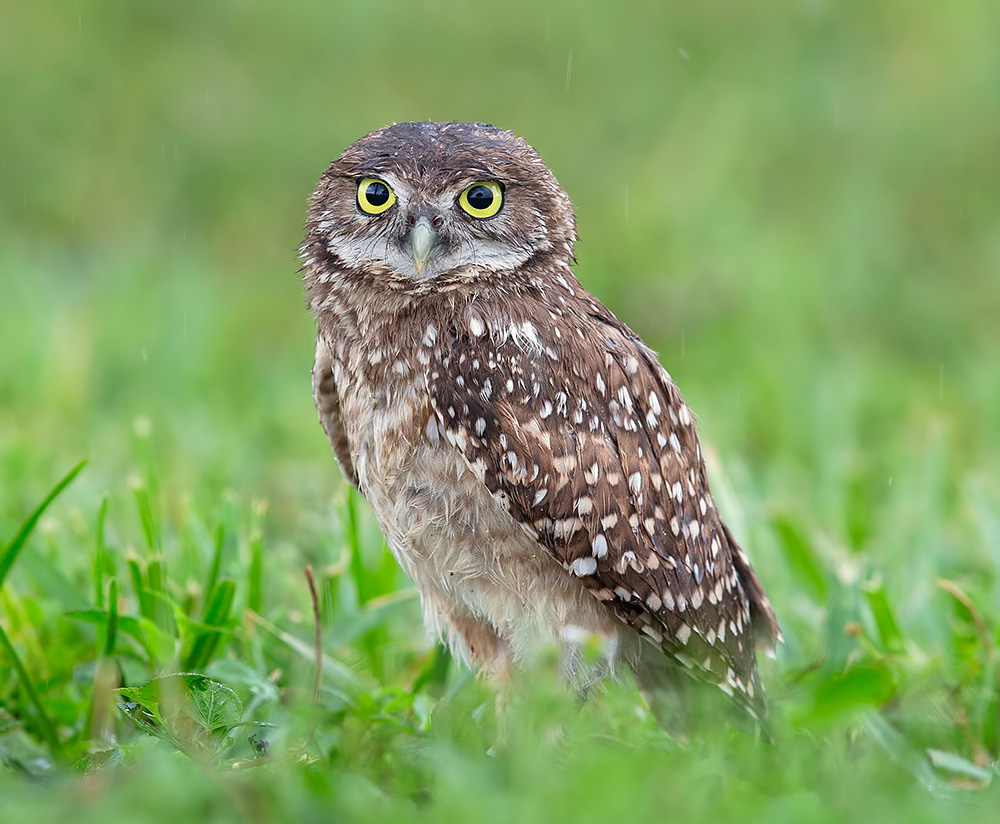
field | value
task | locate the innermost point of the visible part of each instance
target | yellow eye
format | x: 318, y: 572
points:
x: 374, y: 196
x: 482, y: 199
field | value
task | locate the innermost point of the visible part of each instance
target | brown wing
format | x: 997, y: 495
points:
x: 583, y: 436
x: 328, y: 407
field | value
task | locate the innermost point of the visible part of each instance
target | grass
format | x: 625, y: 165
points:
x: 796, y: 206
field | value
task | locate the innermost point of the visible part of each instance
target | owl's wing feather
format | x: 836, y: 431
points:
x: 328, y: 406
x: 584, y: 438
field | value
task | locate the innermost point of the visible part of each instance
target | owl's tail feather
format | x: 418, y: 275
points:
x: 679, y: 703
x: 767, y: 633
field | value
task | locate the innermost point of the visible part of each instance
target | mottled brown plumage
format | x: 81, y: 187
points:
x: 534, y: 468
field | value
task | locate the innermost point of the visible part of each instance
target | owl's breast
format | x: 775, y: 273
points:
x: 462, y: 549
x: 415, y: 481
x: 383, y: 419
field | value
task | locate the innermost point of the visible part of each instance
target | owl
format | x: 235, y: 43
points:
x: 532, y: 466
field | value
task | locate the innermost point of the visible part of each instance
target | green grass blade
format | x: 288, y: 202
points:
x: 139, y: 587
x: 13, y: 549
x: 112, y: 630
x: 215, y: 569
x: 358, y: 572
x: 882, y: 612
x: 348, y: 684
x: 255, y: 575
x: 801, y: 556
x: 48, y: 730
x: 255, y: 570
x: 161, y: 601
x: 102, y: 514
x: 144, y: 504
x: 220, y: 606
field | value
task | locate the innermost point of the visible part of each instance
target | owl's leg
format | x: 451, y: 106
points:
x: 470, y: 639
x: 478, y: 644
x: 489, y: 655
x: 587, y: 658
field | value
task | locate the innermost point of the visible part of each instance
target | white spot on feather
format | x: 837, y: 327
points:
x: 432, y: 431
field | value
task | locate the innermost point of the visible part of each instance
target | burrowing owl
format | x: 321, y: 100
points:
x: 532, y: 465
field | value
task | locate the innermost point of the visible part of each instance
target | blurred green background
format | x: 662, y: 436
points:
x: 795, y: 203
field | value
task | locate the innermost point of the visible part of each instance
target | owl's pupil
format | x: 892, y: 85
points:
x: 377, y: 194
x: 480, y: 197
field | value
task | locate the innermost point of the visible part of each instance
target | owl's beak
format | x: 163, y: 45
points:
x: 422, y: 237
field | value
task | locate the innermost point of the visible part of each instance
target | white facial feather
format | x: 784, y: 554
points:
x: 383, y: 244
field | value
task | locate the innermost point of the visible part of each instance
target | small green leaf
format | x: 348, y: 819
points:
x: 217, y: 706
x: 191, y: 711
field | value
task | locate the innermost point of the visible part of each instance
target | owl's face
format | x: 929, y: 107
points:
x: 424, y: 203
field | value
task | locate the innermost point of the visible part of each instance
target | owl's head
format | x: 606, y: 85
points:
x: 423, y: 205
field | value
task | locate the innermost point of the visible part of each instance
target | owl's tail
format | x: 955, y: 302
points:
x: 679, y: 703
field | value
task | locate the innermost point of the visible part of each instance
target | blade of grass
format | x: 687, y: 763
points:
x: 107, y: 676
x: 163, y: 603
x: 220, y: 606
x: 48, y: 730
x: 146, y: 517
x: 214, y: 570
x: 350, y: 684
x: 102, y: 514
x: 139, y: 587
x: 112, y: 628
x: 13, y: 549
x: 318, y: 635
x: 358, y: 573
x: 255, y: 575
x: 882, y: 612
